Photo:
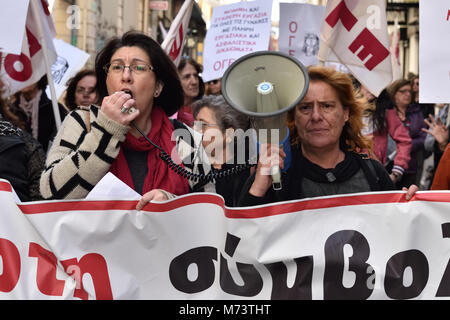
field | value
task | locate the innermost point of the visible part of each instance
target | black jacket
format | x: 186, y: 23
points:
x: 305, y: 179
x: 46, y: 119
x: 21, y: 161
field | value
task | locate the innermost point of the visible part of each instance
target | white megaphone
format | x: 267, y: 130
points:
x: 265, y: 85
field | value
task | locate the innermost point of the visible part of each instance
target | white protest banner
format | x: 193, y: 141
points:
x: 236, y: 30
x: 299, y: 31
x: 70, y: 60
x: 28, y: 67
x: 12, y: 25
x: 356, y: 246
x: 174, y: 41
x: 434, y: 50
x: 354, y: 33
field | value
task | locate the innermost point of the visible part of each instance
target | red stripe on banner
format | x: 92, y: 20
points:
x: 5, y: 186
x: 98, y: 205
x: 185, y: 201
x: 234, y: 213
x: 313, y: 204
x: 58, y: 206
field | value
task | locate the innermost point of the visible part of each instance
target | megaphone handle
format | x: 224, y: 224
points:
x: 276, y: 178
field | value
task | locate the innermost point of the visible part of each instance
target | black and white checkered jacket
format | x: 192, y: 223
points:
x: 88, y: 143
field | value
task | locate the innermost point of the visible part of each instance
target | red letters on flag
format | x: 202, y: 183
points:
x: 342, y: 13
x: 28, y: 67
x: 178, y: 31
x: 177, y: 45
x: 349, y: 39
x: 371, y: 46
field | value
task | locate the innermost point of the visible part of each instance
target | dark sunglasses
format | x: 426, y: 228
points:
x: 213, y: 82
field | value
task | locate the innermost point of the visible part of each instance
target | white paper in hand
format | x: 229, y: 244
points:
x: 112, y: 188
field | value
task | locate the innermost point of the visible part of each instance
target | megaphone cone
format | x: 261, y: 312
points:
x: 265, y: 85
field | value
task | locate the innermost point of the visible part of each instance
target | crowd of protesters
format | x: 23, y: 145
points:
x: 123, y: 118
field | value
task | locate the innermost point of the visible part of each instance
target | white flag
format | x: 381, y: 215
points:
x: 395, y: 52
x: 174, y: 41
x: 27, y: 68
x: 354, y: 33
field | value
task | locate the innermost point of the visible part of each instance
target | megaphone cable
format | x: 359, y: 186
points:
x: 195, y: 177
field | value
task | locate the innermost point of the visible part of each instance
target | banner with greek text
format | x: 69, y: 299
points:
x: 357, y: 246
x: 236, y: 30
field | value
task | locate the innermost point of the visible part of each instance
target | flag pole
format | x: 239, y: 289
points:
x: 172, y: 33
x: 36, y: 12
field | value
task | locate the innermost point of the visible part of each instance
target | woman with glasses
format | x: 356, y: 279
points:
x: 81, y: 90
x: 391, y: 142
x: 214, y: 87
x: 326, y: 141
x: 227, y: 141
x: 411, y: 117
x: 138, y: 88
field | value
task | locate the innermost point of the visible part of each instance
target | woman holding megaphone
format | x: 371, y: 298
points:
x: 326, y: 144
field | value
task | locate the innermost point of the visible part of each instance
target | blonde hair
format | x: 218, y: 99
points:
x: 352, y: 132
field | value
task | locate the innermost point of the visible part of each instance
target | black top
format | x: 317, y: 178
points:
x: 46, y: 119
x: 21, y: 161
x: 305, y: 179
x: 137, y: 163
x: 230, y: 187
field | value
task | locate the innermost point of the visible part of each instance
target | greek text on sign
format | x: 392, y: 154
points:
x: 236, y: 30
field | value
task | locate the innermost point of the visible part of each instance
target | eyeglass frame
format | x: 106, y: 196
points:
x: 106, y: 67
x: 204, y: 125
x: 404, y: 91
x: 216, y: 81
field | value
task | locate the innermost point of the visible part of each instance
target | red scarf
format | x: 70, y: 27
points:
x: 159, y: 175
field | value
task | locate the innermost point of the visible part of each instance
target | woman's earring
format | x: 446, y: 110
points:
x: 156, y: 94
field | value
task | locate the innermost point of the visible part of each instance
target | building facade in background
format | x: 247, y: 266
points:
x: 88, y: 24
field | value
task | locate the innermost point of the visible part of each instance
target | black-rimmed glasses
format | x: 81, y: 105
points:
x: 137, y: 68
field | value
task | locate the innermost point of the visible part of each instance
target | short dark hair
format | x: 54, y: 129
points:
x: 72, y: 86
x: 198, y: 67
x: 226, y: 116
x: 171, y: 97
